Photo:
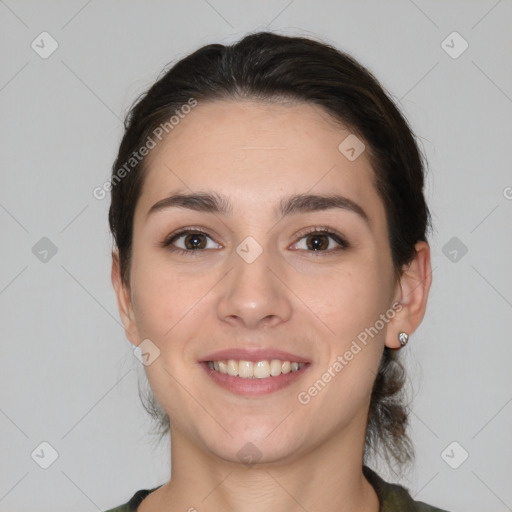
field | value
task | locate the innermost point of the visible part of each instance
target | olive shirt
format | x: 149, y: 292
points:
x: 392, y: 497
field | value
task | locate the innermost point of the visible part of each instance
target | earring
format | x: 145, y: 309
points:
x: 403, y: 338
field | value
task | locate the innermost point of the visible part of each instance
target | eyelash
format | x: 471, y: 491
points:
x: 320, y: 230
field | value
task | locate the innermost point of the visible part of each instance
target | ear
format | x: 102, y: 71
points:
x: 124, y: 302
x: 411, y: 295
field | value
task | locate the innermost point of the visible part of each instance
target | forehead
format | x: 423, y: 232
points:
x: 254, y: 152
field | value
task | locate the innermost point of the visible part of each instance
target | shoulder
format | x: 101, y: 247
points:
x: 394, y: 497
x: 131, y: 506
x: 121, y: 508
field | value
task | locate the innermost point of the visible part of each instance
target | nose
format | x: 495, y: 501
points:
x: 254, y: 294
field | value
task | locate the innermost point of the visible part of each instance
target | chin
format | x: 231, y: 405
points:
x: 253, y: 448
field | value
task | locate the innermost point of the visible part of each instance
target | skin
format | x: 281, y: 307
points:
x: 310, y: 303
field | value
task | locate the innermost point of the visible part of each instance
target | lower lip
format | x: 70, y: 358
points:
x: 254, y: 387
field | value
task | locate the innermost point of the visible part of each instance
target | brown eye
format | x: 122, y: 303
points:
x: 317, y: 242
x: 189, y: 240
x: 321, y: 240
x: 194, y: 241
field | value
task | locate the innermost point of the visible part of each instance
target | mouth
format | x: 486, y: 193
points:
x: 251, y: 379
x: 262, y: 369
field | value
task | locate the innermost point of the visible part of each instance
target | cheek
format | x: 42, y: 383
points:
x: 351, y: 298
x: 161, y: 296
x: 350, y: 302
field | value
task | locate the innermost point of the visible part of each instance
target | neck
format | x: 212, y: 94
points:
x: 328, y: 478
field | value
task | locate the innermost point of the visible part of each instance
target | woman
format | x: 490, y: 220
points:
x: 270, y: 259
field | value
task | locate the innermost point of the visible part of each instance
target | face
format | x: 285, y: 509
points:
x: 255, y: 270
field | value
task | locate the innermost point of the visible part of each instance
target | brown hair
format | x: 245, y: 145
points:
x: 268, y: 67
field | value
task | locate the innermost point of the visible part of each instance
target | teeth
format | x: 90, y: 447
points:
x: 259, y: 370
x: 232, y: 368
x: 275, y: 367
x: 245, y: 369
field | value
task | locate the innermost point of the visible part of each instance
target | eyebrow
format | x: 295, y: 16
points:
x: 211, y: 202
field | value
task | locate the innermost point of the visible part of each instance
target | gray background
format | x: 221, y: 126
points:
x: 68, y: 375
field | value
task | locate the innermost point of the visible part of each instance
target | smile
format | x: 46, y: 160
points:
x: 255, y: 370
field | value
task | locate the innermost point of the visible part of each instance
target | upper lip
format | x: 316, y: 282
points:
x: 254, y: 355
